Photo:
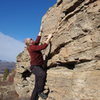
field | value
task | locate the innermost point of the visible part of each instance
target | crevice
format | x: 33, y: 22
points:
x: 97, y: 57
x: 83, y: 61
x: 79, y: 36
x: 70, y: 64
x: 71, y: 15
x: 91, y: 1
x: 26, y: 74
x: 76, y: 4
x: 57, y: 50
x: 86, y: 30
x: 98, y: 26
x: 72, y: 8
x: 97, y: 69
x: 59, y: 2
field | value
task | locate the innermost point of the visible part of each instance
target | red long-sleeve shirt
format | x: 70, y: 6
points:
x: 35, y: 52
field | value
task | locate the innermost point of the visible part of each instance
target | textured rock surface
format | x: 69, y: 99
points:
x: 73, y: 56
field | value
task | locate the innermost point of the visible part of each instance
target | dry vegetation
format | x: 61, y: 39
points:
x: 7, y: 91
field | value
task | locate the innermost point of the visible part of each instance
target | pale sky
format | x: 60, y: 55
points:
x: 9, y: 47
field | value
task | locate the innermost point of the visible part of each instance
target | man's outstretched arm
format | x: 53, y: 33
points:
x: 38, y: 38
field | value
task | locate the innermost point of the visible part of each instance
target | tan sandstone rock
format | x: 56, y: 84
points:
x: 73, y: 58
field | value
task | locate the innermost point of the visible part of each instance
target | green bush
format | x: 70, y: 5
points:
x: 6, y: 73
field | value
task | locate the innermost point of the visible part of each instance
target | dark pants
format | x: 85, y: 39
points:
x: 40, y: 78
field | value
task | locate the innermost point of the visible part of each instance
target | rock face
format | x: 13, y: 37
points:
x: 73, y: 57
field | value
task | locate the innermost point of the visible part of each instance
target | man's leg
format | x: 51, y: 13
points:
x: 41, y: 83
x: 34, y: 95
x: 40, y: 78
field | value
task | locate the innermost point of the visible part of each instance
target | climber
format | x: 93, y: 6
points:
x: 37, y: 62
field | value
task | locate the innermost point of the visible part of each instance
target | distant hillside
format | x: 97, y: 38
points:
x: 6, y: 64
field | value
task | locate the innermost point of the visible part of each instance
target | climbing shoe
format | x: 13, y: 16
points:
x: 42, y: 95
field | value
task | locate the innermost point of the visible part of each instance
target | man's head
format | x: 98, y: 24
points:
x: 29, y: 41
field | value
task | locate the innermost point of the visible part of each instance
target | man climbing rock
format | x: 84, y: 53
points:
x: 37, y: 62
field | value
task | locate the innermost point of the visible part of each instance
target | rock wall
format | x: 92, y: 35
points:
x: 73, y: 57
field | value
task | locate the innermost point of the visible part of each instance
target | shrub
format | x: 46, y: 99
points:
x: 6, y: 73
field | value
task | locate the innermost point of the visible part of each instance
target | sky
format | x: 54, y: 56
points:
x: 19, y: 19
